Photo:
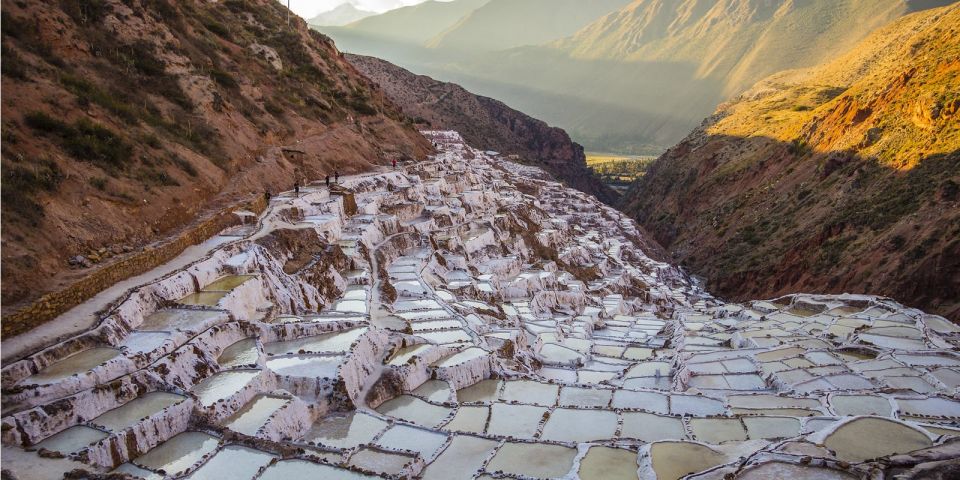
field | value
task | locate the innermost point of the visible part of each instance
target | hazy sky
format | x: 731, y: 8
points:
x: 310, y: 8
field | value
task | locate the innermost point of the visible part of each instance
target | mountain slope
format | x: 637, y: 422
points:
x: 485, y: 123
x: 502, y: 24
x: 415, y: 24
x: 639, y: 79
x: 840, y: 178
x: 342, y: 15
x: 124, y: 121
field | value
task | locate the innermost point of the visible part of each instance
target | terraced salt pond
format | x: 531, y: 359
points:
x: 530, y: 337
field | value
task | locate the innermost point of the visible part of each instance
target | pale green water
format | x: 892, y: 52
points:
x: 435, y: 391
x: 605, y: 463
x: 203, y: 299
x: 72, y: 440
x: 533, y: 459
x: 178, y: 453
x: 302, y: 469
x: 519, y: 421
x: 885, y: 438
x: 227, y: 283
x: 379, y: 461
x: 674, y: 460
x: 254, y: 414
x: 403, y: 355
x: 233, y: 462
x: 585, y: 397
x: 469, y: 419
x: 460, y: 459
x: 337, y: 342
x: 307, y: 366
x: 484, y: 391
x: 571, y: 425
x: 345, y: 431
x: 244, y: 352
x: 527, y: 391
x: 80, y: 362
x: 650, y: 428
x: 222, y: 385
x: 717, y: 430
x: 130, y: 413
x: 461, y: 357
x: 414, y: 410
x: 403, y: 437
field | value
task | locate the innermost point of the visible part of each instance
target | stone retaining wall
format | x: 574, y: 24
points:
x: 54, y: 304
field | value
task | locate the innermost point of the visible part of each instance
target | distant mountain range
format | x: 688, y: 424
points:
x: 342, y: 15
x: 485, y: 123
x: 839, y: 178
x: 632, y: 77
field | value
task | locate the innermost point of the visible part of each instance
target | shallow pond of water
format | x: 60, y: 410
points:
x: 307, y: 366
x: 674, y: 460
x: 244, y: 352
x: 254, y: 414
x: 572, y: 425
x: 403, y: 355
x: 336, y: 342
x: 717, y: 430
x: 178, y: 453
x: 382, y: 462
x: 177, y: 319
x: 436, y: 391
x: 650, y: 401
x: 469, y: 419
x: 130, y: 413
x: 203, y: 299
x: 461, y: 357
x: 533, y: 460
x: 526, y: 391
x: 861, y: 405
x: 585, y: 397
x: 771, y: 427
x: 446, y: 336
x: 350, y: 306
x: 222, y: 385
x: 415, y: 410
x: 72, y: 440
x: 886, y: 437
x: 80, y: 362
x: 144, y: 342
x: 782, y: 470
x: 296, y: 469
x: 520, y: 421
x: 227, y: 283
x: 651, y: 428
x: 345, y: 430
x: 233, y: 462
x: 464, y: 456
x: 483, y: 391
x: 403, y: 437
x: 605, y: 463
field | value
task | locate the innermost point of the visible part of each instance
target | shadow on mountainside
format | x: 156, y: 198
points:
x: 758, y: 218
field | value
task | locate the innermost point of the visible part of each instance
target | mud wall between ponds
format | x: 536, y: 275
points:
x: 54, y: 304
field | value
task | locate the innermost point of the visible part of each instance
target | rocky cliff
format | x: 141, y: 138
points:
x: 124, y: 121
x: 485, y: 122
x: 840, y: 178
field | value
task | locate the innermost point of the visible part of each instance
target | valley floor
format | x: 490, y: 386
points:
x: 468, y: 317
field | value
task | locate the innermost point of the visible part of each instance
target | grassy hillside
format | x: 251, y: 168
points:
x: 840, y: 178
x: 124, y: 121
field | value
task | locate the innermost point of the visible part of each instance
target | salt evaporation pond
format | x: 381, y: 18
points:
x: 529, y: 339
x: 77, y: 363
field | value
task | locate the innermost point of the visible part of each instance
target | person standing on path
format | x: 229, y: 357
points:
x: 328, y: 181
x: 336, y: 177
x: 296, y: 187
x: 394, y: 163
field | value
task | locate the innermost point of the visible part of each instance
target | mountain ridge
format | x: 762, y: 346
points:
x: 838, y: 178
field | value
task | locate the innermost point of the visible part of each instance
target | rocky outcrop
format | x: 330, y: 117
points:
x: 485, y: 123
